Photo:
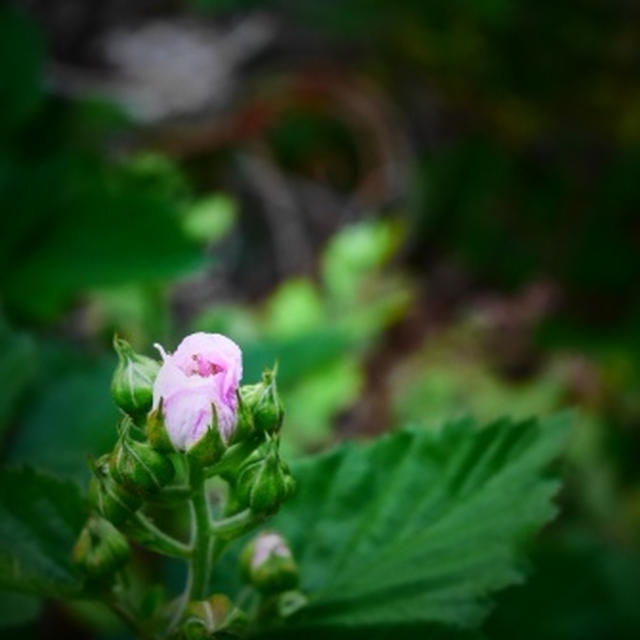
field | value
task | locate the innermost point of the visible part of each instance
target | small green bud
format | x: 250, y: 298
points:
x: 138, y: 468
x: 100, y: 549
x: 261, y: 483
x: 245, y: 428
x: 267, y: 562
x: 108, y: 498
x: 132, y: 383
x: 214, y: 617
x: 264, y: 402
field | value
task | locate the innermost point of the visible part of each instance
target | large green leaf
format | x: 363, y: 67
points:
x: 40, y: 517
x: 417, y: 529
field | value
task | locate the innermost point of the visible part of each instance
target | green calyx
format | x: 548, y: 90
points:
x: 132, y: 382
x: 210, y: 448
x: 245, y: 426
x: 263, y: 481
x: 156, y: 430
x: 100, y: 549
x: 214, y: 617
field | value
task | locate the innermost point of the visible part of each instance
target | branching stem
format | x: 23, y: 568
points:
x: 143, y: 531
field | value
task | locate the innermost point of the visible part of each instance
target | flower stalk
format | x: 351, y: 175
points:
x: 202, y: 541
x: 199, y: 424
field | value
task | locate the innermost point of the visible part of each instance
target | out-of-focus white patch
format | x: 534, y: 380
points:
x: 169, y: 67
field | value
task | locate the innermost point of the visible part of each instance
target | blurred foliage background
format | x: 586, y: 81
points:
x: 421, y: 210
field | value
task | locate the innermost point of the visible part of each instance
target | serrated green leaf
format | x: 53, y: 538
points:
x: 419, y: 528
x: 40, y: 517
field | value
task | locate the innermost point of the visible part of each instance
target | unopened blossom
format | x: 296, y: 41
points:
x: 267, y: 562
x: 201, y: 377
x: 267, y: 545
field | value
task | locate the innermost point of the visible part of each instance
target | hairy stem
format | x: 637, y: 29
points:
x: 201, y: 557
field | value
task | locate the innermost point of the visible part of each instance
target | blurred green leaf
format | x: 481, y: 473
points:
x: 585, y: 588
x: 418, y: 528
x: 40, y: 516
x: 71, y: 419
x: 453, y: 387
x: 101, y: 230
x: 315, y: 400
x: 236, y: 321
x: 353, y: 255
x: 298, y: 357
x: 210, y: 219
x: 17, y: 609
x: 17, y: 368
x: 21, y: 85
x: 293, y: 309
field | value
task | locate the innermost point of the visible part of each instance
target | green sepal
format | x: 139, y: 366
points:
x: 132, y: 382
x: 100, y: 549
x: 245, y: 427
x: 139, y: 468
x: 210, y: 448
x: 156, y: 430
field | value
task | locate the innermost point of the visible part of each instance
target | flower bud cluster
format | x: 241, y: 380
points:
x: 190, y: 406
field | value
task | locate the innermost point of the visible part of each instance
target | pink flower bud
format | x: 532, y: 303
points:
x: 268, y: 544
x: 200, y: 377
x: 268, y: 564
